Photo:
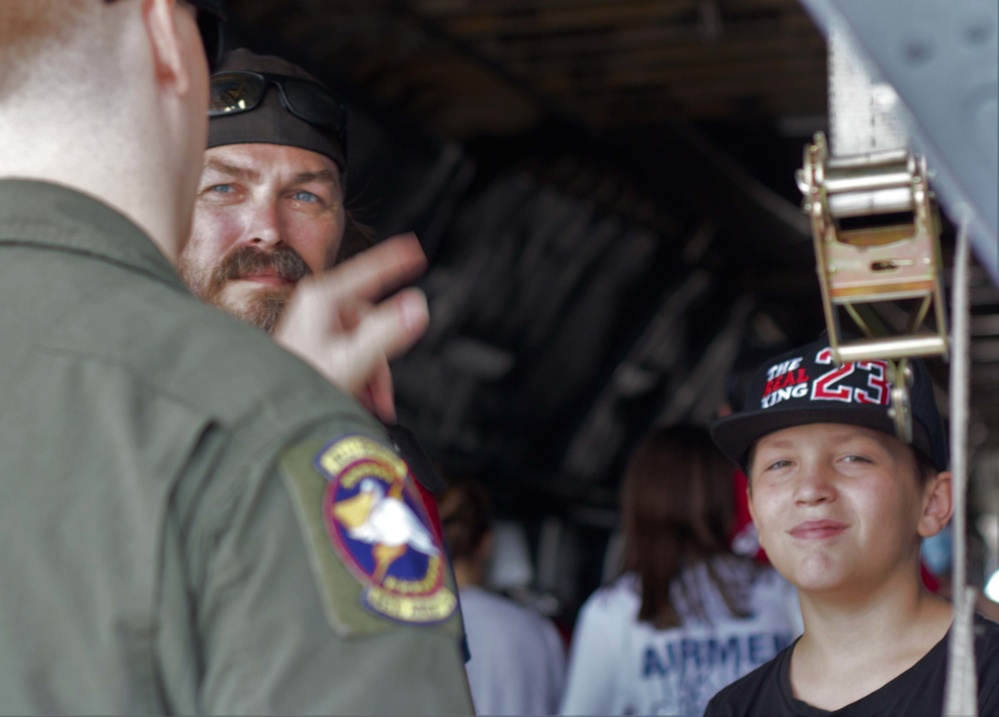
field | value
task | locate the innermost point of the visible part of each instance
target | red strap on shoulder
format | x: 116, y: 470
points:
x: 430, y: 505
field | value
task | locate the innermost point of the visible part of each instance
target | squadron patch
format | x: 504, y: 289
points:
x: 377, y: 524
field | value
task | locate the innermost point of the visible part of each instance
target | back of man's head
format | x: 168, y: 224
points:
x: 109, y: 97
x: 68, y: 67
x: 37, y: 36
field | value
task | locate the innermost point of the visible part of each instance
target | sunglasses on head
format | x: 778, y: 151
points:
x: 235, y: 91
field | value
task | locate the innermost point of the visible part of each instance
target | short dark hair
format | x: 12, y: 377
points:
x: 466, y: 512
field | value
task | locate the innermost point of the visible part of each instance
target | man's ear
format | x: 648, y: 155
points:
x: 938, y: 504
x: 166, y: 40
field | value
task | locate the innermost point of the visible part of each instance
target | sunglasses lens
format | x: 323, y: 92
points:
x: 314, y: 104
x: 234, y: 92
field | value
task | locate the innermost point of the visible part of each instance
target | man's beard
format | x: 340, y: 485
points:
x: 265, y: 306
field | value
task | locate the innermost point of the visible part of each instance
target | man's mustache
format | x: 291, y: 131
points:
x: 283, y: 262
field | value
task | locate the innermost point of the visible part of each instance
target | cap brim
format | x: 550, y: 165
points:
x: 736, y: 434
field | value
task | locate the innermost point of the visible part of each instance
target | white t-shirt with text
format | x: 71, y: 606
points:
x: 619, y: 666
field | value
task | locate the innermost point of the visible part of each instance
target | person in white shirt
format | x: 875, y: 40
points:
x: 517, y: 660
x: 686, y: 617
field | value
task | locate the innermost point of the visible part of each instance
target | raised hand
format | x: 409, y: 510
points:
x: 348, y: 325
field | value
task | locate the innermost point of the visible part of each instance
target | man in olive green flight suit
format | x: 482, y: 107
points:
x: 191, y: 519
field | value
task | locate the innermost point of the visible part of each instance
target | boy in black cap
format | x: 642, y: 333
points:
x: 841, y: 505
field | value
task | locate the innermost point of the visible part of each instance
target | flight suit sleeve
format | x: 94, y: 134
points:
x: 312, y: 606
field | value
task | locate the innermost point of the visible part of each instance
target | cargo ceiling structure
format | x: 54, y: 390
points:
x: 605, y: 190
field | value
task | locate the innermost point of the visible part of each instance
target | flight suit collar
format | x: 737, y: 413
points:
x: 48, y: 215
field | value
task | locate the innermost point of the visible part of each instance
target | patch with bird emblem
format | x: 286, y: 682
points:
x: 374, y: 519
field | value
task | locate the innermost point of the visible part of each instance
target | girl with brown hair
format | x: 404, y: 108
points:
x: 686, y: 616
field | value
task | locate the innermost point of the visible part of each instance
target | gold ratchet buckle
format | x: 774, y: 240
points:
x: 876, y: 237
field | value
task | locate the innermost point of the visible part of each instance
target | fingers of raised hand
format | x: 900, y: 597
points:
x: 352, y: 342
x: 371, y: 274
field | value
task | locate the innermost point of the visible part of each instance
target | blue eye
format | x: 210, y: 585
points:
x: 304, y: 196
x: 221, y: 188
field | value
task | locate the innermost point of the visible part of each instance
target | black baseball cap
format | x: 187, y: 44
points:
x: 279, y: 116
x: 806, y: 385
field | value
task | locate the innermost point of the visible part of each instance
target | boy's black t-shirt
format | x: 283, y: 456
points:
x: 917, y: 691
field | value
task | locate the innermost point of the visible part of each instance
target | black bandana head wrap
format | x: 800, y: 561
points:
x: 270, y: 122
